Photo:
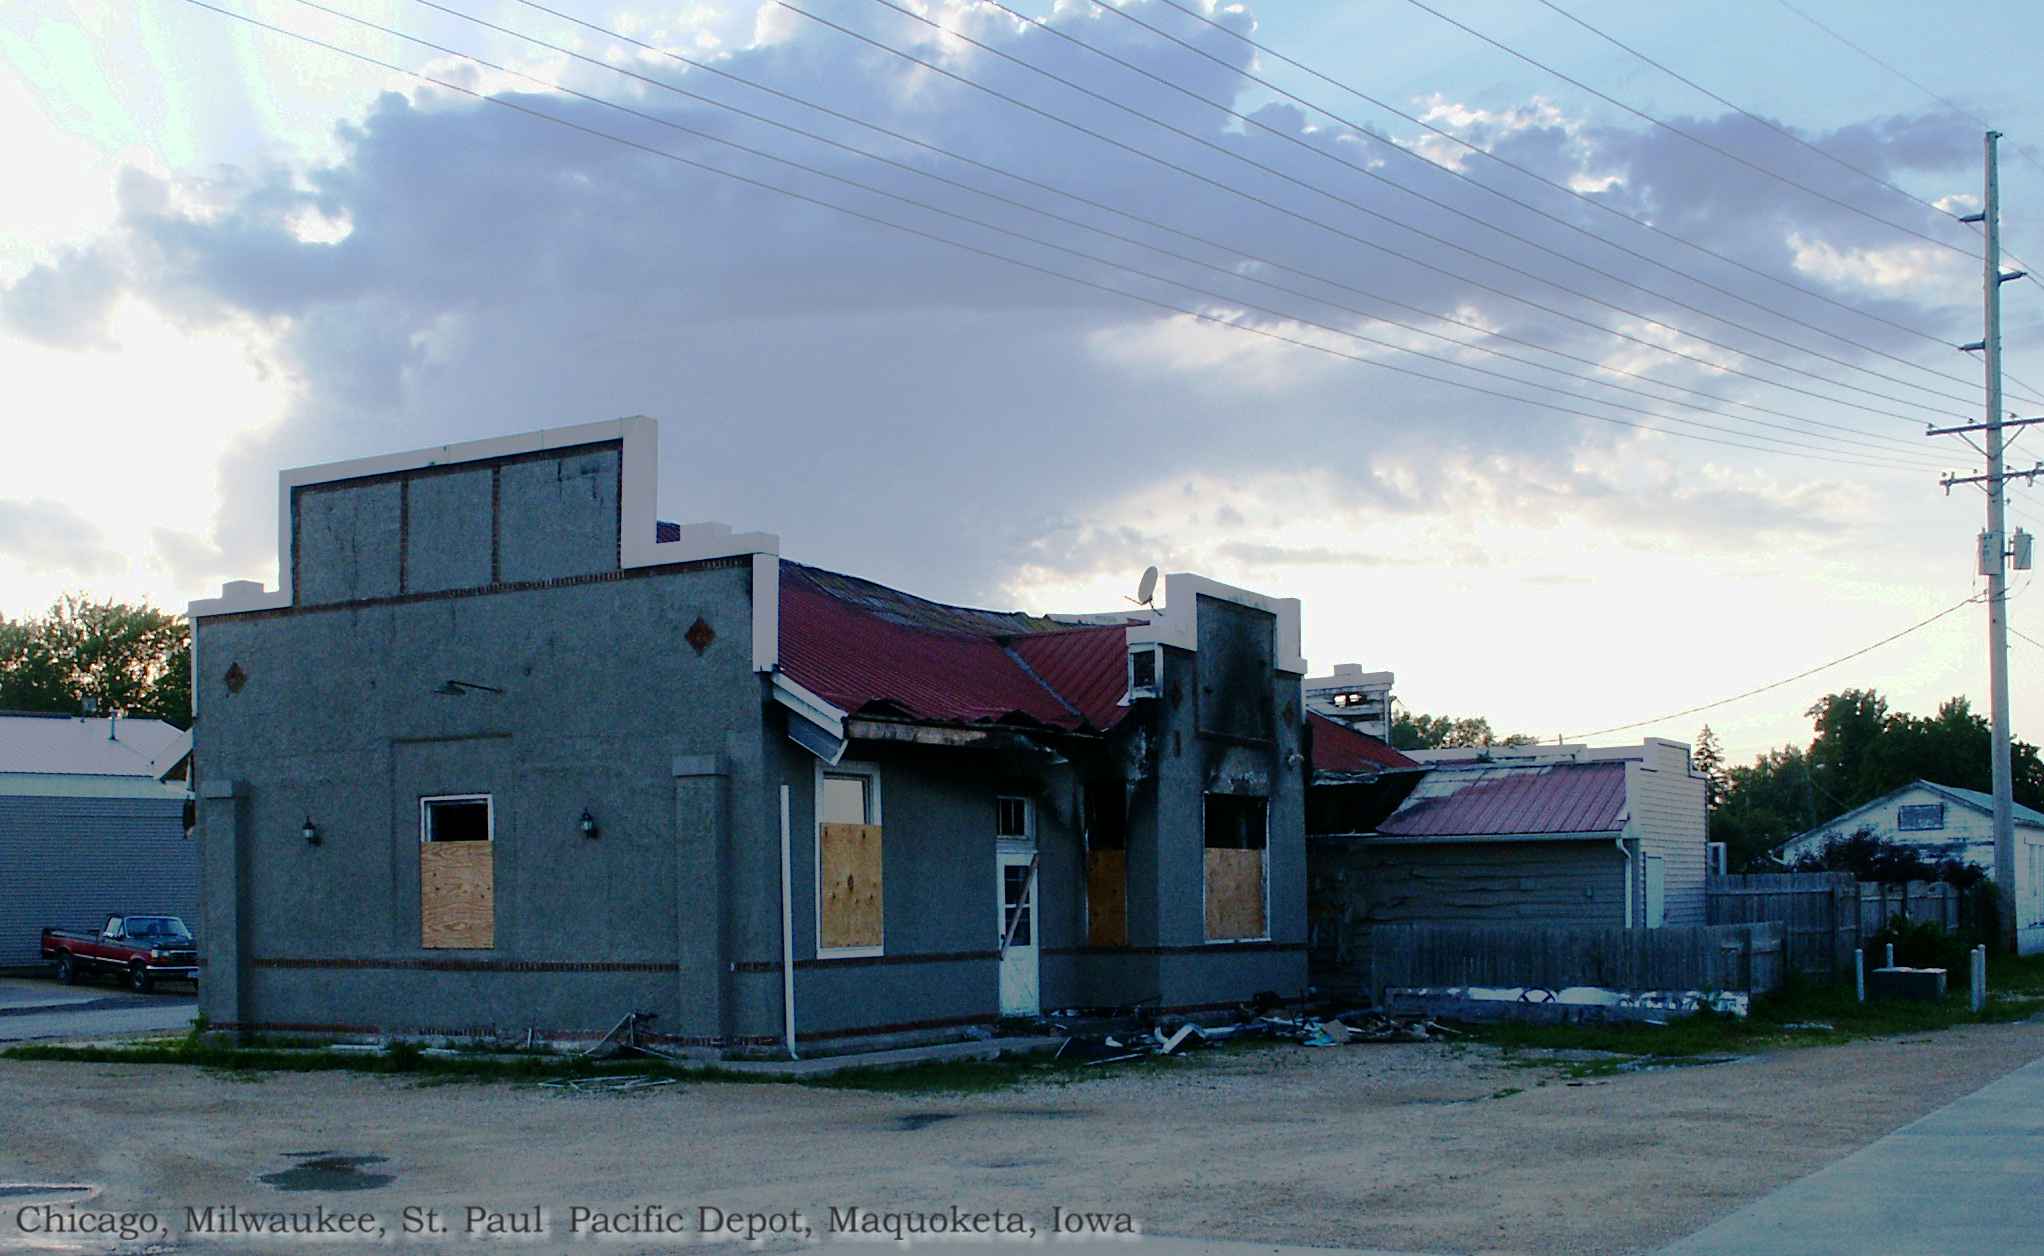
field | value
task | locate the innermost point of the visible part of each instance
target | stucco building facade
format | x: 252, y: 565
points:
x: 503, y: 753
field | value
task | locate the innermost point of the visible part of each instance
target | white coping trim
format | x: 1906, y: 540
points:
x: 74, y: 785
x: 809, y: 706
x: 1356, y: 678
x: 638, y: 546
x: 1176, y: 622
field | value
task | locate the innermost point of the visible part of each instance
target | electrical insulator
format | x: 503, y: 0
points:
x: 2022, y: 549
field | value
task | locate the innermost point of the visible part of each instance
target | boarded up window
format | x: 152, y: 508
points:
x: 1106, y: 818
x: 1236, y: 833
x: 852, y: 912
x: 457, y: 873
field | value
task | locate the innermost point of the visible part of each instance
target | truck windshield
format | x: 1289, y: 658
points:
x: 157, y: 927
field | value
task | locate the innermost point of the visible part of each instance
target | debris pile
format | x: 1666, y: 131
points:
x: 1310, y: 1031
x: 612, y: 1085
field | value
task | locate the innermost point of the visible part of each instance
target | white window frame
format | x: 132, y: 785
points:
x: 844, y: 767
x: 490, y: 812
x: 1156, y: 685
x: 1920, y: 808
x: 1027, y: 837
x: 1265, y: 936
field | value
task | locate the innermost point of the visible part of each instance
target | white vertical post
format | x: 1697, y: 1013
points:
x: 1890, y: 961
x: 787, y: 935
x: 1979, y: 958
x: 1859, y: 973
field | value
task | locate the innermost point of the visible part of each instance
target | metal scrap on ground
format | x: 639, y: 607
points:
x: 1350, y: 1028
x: 609, y: 1085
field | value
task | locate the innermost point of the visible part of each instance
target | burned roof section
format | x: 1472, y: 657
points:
x: 865, y: 647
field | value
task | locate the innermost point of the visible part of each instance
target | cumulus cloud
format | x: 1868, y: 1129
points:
x: 464, y: 269
x: 49, y: 536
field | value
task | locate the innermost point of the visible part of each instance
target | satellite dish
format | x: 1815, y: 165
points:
x: 1146, y: 588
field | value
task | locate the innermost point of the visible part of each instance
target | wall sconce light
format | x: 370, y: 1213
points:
x: 587, y: 823
x: 311, y: 832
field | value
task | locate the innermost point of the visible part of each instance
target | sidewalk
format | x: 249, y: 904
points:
x: 1963, y: 1179
x: 21, y: 994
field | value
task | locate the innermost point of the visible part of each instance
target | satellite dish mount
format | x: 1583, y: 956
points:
x: 1146, y: 588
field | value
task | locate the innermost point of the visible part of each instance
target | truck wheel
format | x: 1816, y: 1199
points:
x: 138, y: 978
x: 65, y: 973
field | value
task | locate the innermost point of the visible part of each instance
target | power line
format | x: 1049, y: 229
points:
x: 1223, y: 270
x: 1444, y: 242
x: 1363, y: 132
x: 1080, y: 199
x: 2017, y: 632
x: 1913, y: 420
x: 1778, y: 129
x: 1202, y: 316
x: 1694, y: 139
x: 1944, y: 100
x: 2025, y: 153
x: 1528, y: 172
x: 1709, y: 706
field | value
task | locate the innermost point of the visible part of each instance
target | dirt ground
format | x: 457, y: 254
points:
x: 1410, y: 1147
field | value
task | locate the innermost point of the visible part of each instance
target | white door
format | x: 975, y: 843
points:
x: 1015, y: 891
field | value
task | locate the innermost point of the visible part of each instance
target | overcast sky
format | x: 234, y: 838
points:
x: 227, y: 252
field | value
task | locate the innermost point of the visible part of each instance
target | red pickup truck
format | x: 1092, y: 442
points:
x: 141, y: 949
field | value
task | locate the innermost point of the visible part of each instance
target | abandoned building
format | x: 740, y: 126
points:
x: 502, y: 753
x: 1527, y: 835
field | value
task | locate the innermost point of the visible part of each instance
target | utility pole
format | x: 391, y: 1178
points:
x: 1993, y: 543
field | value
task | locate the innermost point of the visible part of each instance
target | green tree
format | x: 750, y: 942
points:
x: 134, y: 659
x: 1861, y: 750
x: 1413, y: 731
x: 1709, y: 760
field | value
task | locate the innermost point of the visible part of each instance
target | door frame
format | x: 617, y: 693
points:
x: 1010, y: 854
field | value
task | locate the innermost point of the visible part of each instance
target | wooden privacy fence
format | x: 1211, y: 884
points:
x: 1825, y: 916
x: 1934, y: 901
x: 1818, y: 912
x: 1745, y: 957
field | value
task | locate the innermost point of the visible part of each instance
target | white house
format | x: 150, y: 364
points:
x: 1945, y: 822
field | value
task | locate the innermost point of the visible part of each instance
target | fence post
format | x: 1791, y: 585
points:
x: 1859, y: 972
x: 1979, y: 957
x: 1891, y: 955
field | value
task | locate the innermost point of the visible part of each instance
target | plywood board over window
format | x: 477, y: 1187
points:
x: 1234, y: 894
x: 1107, y: 898
x: 853, y: 912
x: 1236, y: 838
x: 457, y: 872
x: 457, y: 895
x: 1104, y: 806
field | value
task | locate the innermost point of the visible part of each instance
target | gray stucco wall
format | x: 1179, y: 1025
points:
x: 942, y: 929
x: 70, y: 862
x: 338, y: 720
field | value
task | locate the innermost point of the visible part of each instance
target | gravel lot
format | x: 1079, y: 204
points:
x: 1409, y: 1147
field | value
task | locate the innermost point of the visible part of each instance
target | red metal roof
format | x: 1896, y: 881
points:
x: 864, y: 647
x: 1339, y: 748
x: 1511, y: 801
x: 1088, y: 667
